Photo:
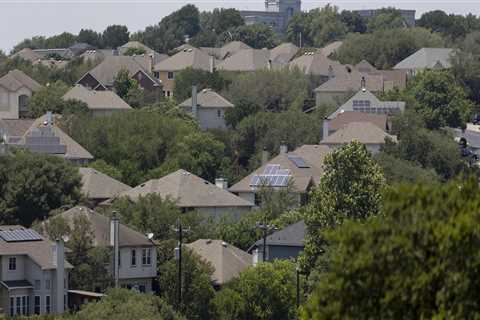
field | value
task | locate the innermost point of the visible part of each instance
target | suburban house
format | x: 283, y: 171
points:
x: 100, y: 103
x: 15, y: 90
x: 346, y: 117
x: 286, y: 243
x: 102, y: 77
x: 154, y: 56
x: 42, y: 135
x: 193, y: 193
x: 367, y: 102
x: 248, y: 60
x: 283, y: 53
x: 33, y: 273
x: 227, y: 261
x: 316, y: 64
x: 98, y: 187
x: 137, y: 254
x: 208, y: 107
x: 426, y: 58
x: 407, y: 15
x: 331, y: 48
x: 188, y: 58
x: 300, y: 170
x: 97, y: 55
x: 277, y: 14
x: 391, y: 78
x: 366, y: 133
x: 27, y: 54
x: 227, y: 50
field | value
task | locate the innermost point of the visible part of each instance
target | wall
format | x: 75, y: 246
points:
x: 208, y: 118
x: 283, y: 252
x: 167, y: 84
x: 331, y: 98
x: 88, y: 81
x: 249, y: 196
x: 9, y: 102
x: 218, y: 212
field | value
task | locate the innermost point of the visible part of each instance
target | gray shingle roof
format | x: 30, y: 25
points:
x: 27, y: 54
x: 427, y: 58
x: 248, y: 60
x: 97, y: 185
x: 352, y: 81
x: 187, y: 58
x: 315, y: 63
x: 292, y: 235
x: 97, y: 100
x: 208, y: 98
x: 16, y: 79
x: 344, y: 118
x: 189, y: 190
x: 228, y: 261
x: 363, y: 132
x: 284, y: 53
x: 331, y: 48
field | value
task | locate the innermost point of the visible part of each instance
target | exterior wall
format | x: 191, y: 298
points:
x: 9, y: 108
x: 168, y: 84
x: 144, y: 81
x: 283, y: 252
x: 372, y: 148
x: 218, y: 212
x: 208, y: 118
x: 249, y: 196
x: 408, y: 15
x: 88, y: 81
x: 126, y: 271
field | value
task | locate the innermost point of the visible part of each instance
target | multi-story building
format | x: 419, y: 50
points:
x: 33, y: 273
x: 277, y: 14
x: 407, y: 15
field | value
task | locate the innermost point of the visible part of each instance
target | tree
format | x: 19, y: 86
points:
x: 104, y: 167
x: 35, y: 185
x: 257, y: 36
x: 326, y: 26
x: 115, y: 36
x: 440, y: 100
x: 350, y: 189
x: 123, y: 83
x: 386, y: 18
x: 466, y: 66
x: 264, y: 292
x: 185, y: 79
x: 243, y: 108
x: 437, y: 21
x: 46, y: 99
x: 197, y: 290
x: 91, y: 37
x: 298, y: 29
x: 353, y: 21
x: 121, y: 304
x: 416, y: 260
x: 398, y: 170
x: 63, y: 40
x: 134, y: 51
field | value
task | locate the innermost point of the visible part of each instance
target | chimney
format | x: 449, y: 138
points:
x: 194, y: 102
x: 363, y: 84
x: 49, y: 118
x: 255, y: 257
x: 265, y: 156
x: 221, y: 183
x: 283, y: 148
x: 114, y: 233
x: 325, y: 128
x: 269, y: 64
x: 212, y: 64
x: 58, y: 254
x: 151, y: 59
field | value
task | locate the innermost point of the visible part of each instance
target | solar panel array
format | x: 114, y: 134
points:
x: 298, y: 161
x: 19, y: 235
x: 272, y: 176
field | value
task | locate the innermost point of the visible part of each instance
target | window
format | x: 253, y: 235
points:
x: 12, y: 264
x: 170, y: 75
x: 23, y: 105
x: 133, y: 260
x: 12, y: 306
x: 47, y: 304
x: 38, y: 284
x: 142, y: 288
x: 65, y: 306
x: 167, y: 93
x: 47, y: 284
x: 24, y: 305
x: 19, y: 305
x: 36, y: 307
x: 361, y: 103
x: 219, y: 113
x: 147, y: 257
x: 156, y: 74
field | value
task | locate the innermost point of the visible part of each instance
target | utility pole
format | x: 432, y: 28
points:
x: 300, y: 37
x: 178, y: 256
x: 114, y: 230
x: 297, y: 269
x: 266, y: 228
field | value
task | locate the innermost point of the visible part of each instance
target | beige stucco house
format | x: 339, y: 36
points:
x: 15, y: 90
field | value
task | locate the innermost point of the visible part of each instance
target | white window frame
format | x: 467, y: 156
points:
x: 170, y: 75
x: 48, y: 304
x: 35, y: 306
x: 133, y: 258
x: 147, y: 256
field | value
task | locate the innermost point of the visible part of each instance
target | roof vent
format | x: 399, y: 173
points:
x: 224, y: 244
x: 208, y: 241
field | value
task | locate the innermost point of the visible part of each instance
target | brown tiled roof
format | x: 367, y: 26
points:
x: 16, y: 79
x: 97, y: 100
x: 363, y: 132
x: 97, y: 185
x: 228, y: 261
x: 208, y: 98
x: 347, y: 117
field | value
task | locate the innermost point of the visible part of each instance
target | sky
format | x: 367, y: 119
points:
x: 26, y: 18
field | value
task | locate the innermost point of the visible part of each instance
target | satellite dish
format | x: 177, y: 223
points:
x: 150, y: 236
x: 65, y: 238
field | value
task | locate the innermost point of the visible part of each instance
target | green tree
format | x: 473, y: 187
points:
x: 104, y: 167
x: 264, y: 292
x: 91, y: 37
x: 466, y: 66
x: 386, y: 18
x: 114, y: 36
x: 257, y: 36
x: 437, y: 21
x: 350, y: 189
x: 243, y: 108
x: 46, y: 99
x: 135, y: 51
x: 417, y: 260
x: 353, y: 21
x: 185, y: 79
x: 34, y: 185
x: 326, y: 26
x: 121, y: 304
x: 398, y: 170
x: 123, y: 83
x: 63, y: 40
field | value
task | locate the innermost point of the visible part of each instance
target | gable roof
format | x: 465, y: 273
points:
x: 344, y: 118
x: 284, y: 53
x: 16, y: 79
x: 427, y: 58
x: 97, y: 185
x: 247, y: 60
x: 291, y: 236
x: 365, y: 66
x: 27, y: 54
x: 189, y: 190
x: 233, y: 47
x: 352, y: 81
x: 135, y: 44
x: 207, y: 98
x: 331, y: 48
x: 315, y: 63
x: 39, y: 251
x: 97, y: 100
x: 313, y: 155
x: 100, y: 224
x: 363, y: 132
x: 187, y: 58
x: 228, y: 261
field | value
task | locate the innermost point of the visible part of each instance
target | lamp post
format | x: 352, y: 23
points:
x: 266, y: 228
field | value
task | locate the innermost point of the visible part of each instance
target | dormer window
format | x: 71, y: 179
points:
x: 12, y: 264
x: 170, y: 75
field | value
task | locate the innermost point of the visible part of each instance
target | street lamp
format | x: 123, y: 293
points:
x: 266, y: 228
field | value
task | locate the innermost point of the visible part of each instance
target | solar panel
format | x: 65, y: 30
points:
x: 19, y: 235
x: 298, y: 161
x: 271, y: 169
x: 272, y: 176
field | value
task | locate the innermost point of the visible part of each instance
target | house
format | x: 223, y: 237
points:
x: 28, y: 55
x: 100, y: 103
x: 301, y: 168
x: 33, y: 273
x: 188, y: 58
x: 227, y: 50
x: 102, y: 77
x: 426, y: 58
x: 97, y: 55
x: 277, y: 14
x: 316, y: 64
x: 193, y: 193
x: 63, y: 53
x: 346, y: 117
x: 208, y: 107
x: 283, y: 53
x: 391, y: 78
x: 331, y: 48
x: 248, y: 60
x: 98, y: 187
x: 137, y: 253
x: 407, y: 15
x: 366, y: 133
x: 365, y: 101
x: 42, y: 135
x: 227, y: 261
x: 286, y: 243
x: 15, y: 90
x: 154, y: 56
x: 340, y: 88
